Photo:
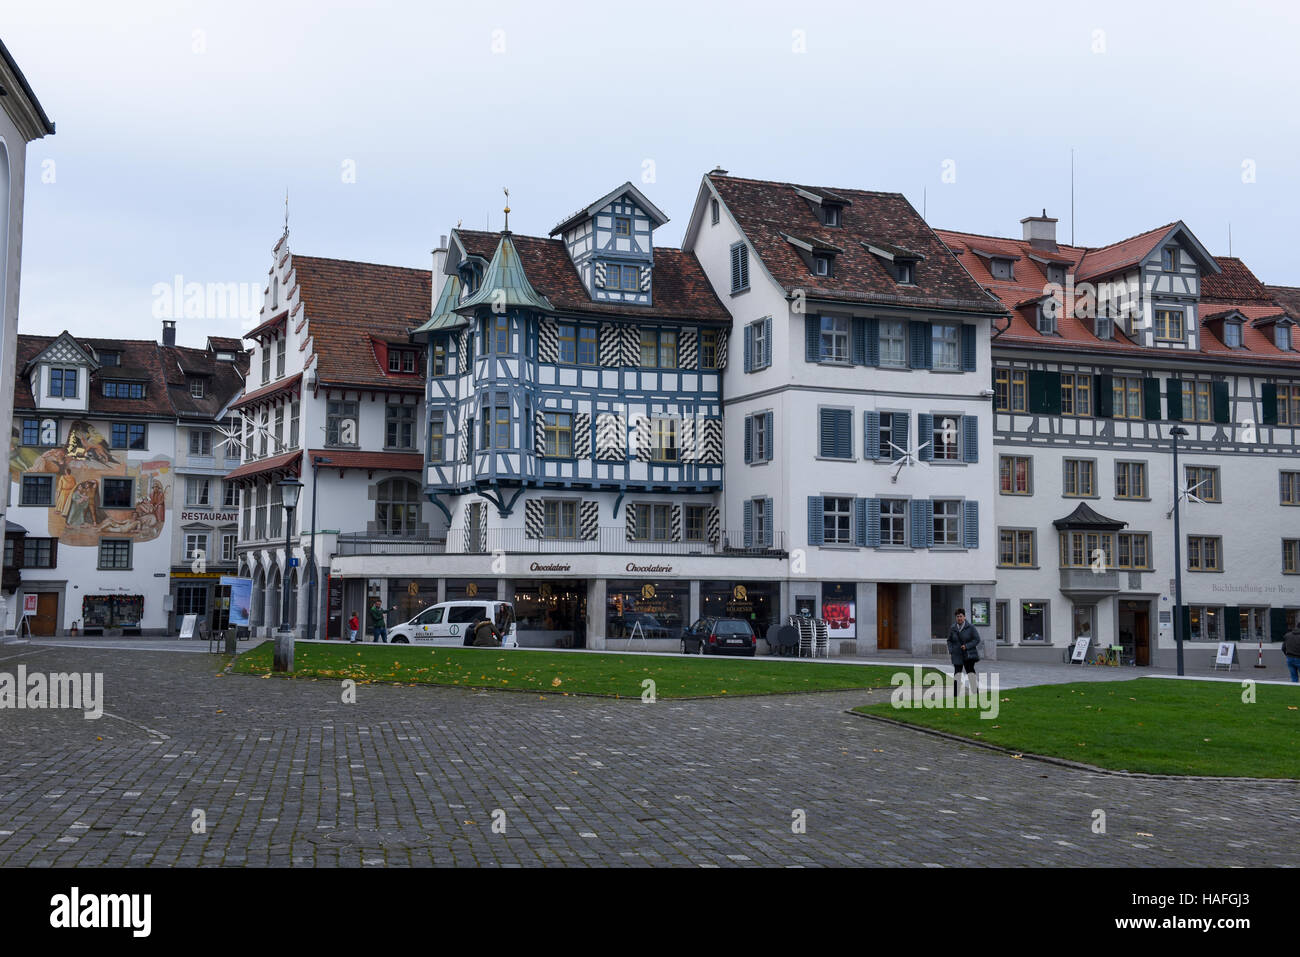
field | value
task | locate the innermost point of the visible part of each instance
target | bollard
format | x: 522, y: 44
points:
x: 283, y: 651
x: 232, y: 641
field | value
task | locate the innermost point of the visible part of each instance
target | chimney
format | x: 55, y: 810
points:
x: 169, y: 332
x: 439, y: 269
x: 1040, y: 231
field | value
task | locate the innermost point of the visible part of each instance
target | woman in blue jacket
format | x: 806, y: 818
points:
x: 963, y: 649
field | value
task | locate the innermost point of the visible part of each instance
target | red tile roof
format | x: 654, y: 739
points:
x: 371, y: 461
x: 287, y: 384
x: 288, y: 462
x: 264, y: 327
x: 769, y: 211
x: 1235, y: 284
x: 1105, y: 260
x: 680, y: 289
x: 1288, y: 297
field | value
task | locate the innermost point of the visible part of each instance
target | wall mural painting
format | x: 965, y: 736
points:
x: 79, y: 515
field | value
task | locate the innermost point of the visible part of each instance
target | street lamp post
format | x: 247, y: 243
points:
x: 316, y: 462
x: 1176, y: 433
x: 290, y: 489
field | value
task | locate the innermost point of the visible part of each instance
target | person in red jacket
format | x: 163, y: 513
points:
x: 354, y: 626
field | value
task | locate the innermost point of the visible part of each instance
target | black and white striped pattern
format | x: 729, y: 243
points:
x: 611, y: 437
x: 687, y: 439
x: 534, y: 518
x: 539, y: 432
x: 462, y: 351
x: 588, y: 520
x: 722, y: 348
x: 688, y: 349
x: 643, y: 434
x: 611, y: 338
x: 630, y: 352
x: 464, y: 443
x: 645, y: 279
x: 710, y: 442
x: 629, y: 511
x: 582, y: 435
x: 675, y: 523
x: 548, y: 341
x: 714, y: 518
x: 600, y: 275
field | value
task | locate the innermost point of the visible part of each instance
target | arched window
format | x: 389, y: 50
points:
x: 397, y: 507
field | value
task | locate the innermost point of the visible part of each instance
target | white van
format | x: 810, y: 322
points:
x: 449, y: 623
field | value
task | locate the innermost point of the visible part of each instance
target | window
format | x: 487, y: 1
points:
x: 1104, y: 327
x: 947, y: 522
x: 228, y: 542
x: 1076, y: 393
x: 1282, y: 337
x: 124, y: 435
x: 399, y: 426
x: 696, y: 524
x: 397, y: 507
x: 197, y: 491
x: 1126, y: 396
x: 1010, y: 390
x: 560, y: 519
x: 279, y: 356
x: 496, y: 422
x: 1254, y: 623
x: 37, y: 552
x: 665, y: 447
x: 196, y: 546
x: 197, y: 389
x: 835, y: 433
x: 1232, y: 335
x: 293, y: 424
x: 626, y: 278
x: 1080, y: 479
x: 1130, y: 480
x: 715, y: 212
x: 115, y: 554
x: 9, y: 553
x: 437, y: 437
x: 1290, y: 488
x: 117, y: 493
x: 1288, y: 405
x: 946, y: 352
x: 110, y: 358
x: 1046, y: 320
x: 1001, y: 269
x: 401, y: 360
x: 500, y: 334
x: 31, y: 432
x: 1197, y: 406
x: 835, y: 338
x: 577, y: 344
x: 277, y: 511
x: 440, y: 356
x: 229, y: 496
x: 893, y: 436
x: 761, y: 516
x: 1203, y: 553
x: 1291, y: 556
x: 1203, y: 483
x: 709, y: 349
x: 658, y: 348
x: 1013, y: 474
x: 1169, y: 325
x: 1134, y: 551
x: 762, y: 440
x: 651, y: 523
x: 1088, y: 550
x: 277, y: 432
x: 119, y: 389
x: 892, y: 334
x: 266, y: 362
x: 63, y: 383
x: 1056, y: 274
x: 906, y: 271
x: 837, y: 521
x: 1169, y: 259
x: 200, y: 441
x: 1205, y: 623
x: 945, y: 438
x: 559, y: 434
x: 263, y: 492
x: 831, y: 215
x: 739, y: 267
x: 340, y: 422
x: 1016, y: 547
x: 822, y: 265
x: 622, y: 226
x: 1033, y: 621
x: 893, y: 521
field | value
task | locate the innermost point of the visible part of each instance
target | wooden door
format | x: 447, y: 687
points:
x: 886, y: 616
x: 46, y: 620
x: 1142, y: 637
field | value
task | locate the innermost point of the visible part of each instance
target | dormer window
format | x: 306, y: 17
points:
x: 63, y: 383
x: 1282, y: 336
x: 622, y: 226
x: 1001, y: 269
x: 906, y: 272
x: 1169, y: 259
x: 1056, y: 274
x: 120, y: 389
x: 197, y: 390
x: 626, y: 278
x: 110, y: 358
x: 830, y: 215
x: 1105, y: 327
x: 1046, y: 320
x: 822, y: 265
x: 401, y: 360
x: 225, y: 357
x: 1232, y: 335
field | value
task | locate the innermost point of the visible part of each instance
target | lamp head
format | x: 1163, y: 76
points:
x: 290, y: 489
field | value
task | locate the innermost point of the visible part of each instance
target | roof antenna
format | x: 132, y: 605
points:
x: 286, y: 209
x: 1071, y: 196
x: 506, y: 190
x: 1229, y: 239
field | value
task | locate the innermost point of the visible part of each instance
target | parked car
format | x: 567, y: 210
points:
x: 450, y: 624
x: 720, y: 636
x: 623, y: 626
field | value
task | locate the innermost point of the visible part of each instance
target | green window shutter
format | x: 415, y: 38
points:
x: 1036, y: 390
x: 1151, y: 399
x: 1219, y: 395
x: 1174, y: 399
x: 1232, y: 623
x: 1044, y: 392
x: 1268, y: 404
x: 1104, y: 398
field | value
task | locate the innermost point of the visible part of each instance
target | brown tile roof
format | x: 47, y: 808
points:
x: 267, y: 326
x: 1288, y: 297
x: 225, y: 343
x: 1124, y: 254
x: 371, y: 461
x: 680, y: 288
x: 767, y: 211
x: 287, y: 384
x: 288, y: 462
x: 1235, y: 284
x: 222, y: 381
x: 346, y: 303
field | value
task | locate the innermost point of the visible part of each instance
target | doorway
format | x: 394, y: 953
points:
x: 45, y: 622
x: 1135, y: 631
x: 886, y: 615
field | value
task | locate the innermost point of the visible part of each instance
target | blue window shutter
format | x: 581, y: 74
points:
x: 767, y: 531
x: 749, y: 524
x: 970, y: 438
x: 816, y: 526
x: 967, y: 348
x: 900, y: 423
x: 873, y: 522
x: 771, y: 436
x: 924, y: 434
x: 749, y: 439
x: 749, y: 348
x: 873, y: 342
x: 859, y: 521
x: 826, y: 432
x: 922, y: 522
x: 871, y: 436
x: 843, y: 433
x: 812, y: 338
x: 765, y: 359
x: 921, y: 345
x: 970, y: 523
x: 859, y: 341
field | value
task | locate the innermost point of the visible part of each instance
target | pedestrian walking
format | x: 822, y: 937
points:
x: 1291, y: 648
x: 485, y: 635
x: 378, y: 622
x: 354, y: 626
x: 963, y: 649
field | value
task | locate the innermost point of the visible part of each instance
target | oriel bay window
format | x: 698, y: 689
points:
x: 437, y: 437
x: 665, y: 447
x: 559, y: 434
x: 1088, y: 550
x: 496, y: 422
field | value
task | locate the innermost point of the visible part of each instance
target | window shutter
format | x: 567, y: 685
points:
x: 871, y: 435
x: 812, y: 326
x: 749, y: 524
x: 1276, y: 624
x: 967, y: 348
x: 859, y: 341
x: 1174, y: 398
x: 749, y: 439
x: 534, y: 520
x: 771, y: 437
x: 767, y: 531
x: 970, y: 438
x: 1219, y: 394
x: 765, y: 359
x: 826, y: 433
x: 674, y: 522
x: 873, y: 522
x: 921, y: 345
x: 924, y: 436
x: 629, y: 517
x: 1104, y: 398
x: 873, y: 341
x: 859, y: 521
x: 1231, y: 623
x: 749, y: 348
x: 844, y: 433
x: 816, y: 527
x: 1268, y: 404
x: 1044, y: 392
x: 970, y: 523
x: 922, y: 522
x: 1151, y: 399
x: 900, y: 423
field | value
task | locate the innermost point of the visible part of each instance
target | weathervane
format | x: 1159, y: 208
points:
x: 286, y: 209
x: 506, y: 190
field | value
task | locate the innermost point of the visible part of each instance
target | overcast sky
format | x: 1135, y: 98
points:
x: 180, y: 125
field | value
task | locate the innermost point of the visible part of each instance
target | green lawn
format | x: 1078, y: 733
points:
x: 1152, y: 725
x: 616, y: 675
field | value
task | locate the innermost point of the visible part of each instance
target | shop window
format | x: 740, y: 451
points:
x: 655, y: 609
x: 1033, y: 621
